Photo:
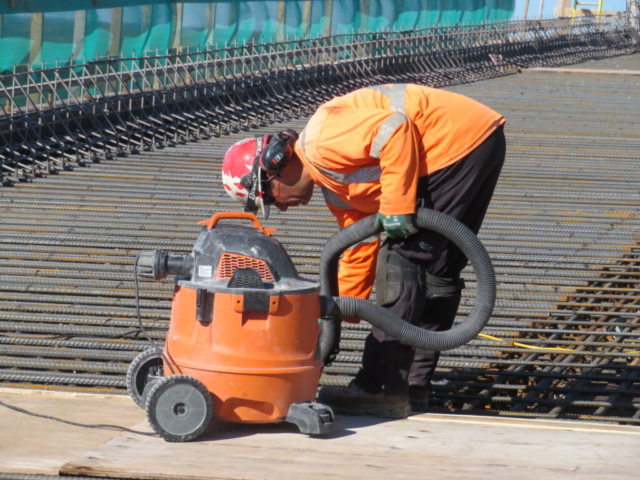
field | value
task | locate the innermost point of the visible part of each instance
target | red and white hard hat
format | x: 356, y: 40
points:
x: 248, y: 163
x: 241, y: 173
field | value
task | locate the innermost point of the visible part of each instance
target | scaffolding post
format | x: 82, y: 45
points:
x: 578, y: 3
x: 633, y: 12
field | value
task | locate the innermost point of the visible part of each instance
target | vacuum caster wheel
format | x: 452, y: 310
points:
x: 179, y: 408
x: 147, y: 367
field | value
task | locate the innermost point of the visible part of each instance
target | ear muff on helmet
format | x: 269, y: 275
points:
x: 278, y: 151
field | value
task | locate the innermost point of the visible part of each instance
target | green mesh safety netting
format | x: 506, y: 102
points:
x: 43, y: 32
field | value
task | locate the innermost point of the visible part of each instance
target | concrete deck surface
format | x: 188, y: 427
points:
x: 423, y: 446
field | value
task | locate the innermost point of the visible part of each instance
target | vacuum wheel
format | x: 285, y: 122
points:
x: 144, y: 369
x: 179, y: 408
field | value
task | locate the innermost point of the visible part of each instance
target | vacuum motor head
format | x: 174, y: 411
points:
x: 219, y: 254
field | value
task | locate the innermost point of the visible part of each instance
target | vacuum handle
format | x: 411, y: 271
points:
x: 211, y: 223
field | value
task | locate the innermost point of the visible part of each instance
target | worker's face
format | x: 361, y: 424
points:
x: 285, y: 195
x: 290, y: 187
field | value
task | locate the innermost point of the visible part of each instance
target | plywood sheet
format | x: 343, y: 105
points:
x: 364, y: 448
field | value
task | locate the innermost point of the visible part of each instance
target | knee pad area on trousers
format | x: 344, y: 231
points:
x: 437, y: 286
x: 392, y: 270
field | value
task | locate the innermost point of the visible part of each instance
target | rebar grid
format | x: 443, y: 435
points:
x: 561, y: 231
x: 60, y: 118
x: 591, y: 358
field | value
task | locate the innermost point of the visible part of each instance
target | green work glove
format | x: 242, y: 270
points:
x: 397, y: 226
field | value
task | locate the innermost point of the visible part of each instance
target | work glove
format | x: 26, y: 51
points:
x: 397, y: 226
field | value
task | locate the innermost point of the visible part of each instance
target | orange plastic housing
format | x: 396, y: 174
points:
x: 255, y: 364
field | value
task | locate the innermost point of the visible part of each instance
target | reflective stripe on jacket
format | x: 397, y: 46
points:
x: 368, y: 148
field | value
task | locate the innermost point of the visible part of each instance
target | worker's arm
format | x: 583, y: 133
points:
x: 397, y: 142
x: 360, y: 139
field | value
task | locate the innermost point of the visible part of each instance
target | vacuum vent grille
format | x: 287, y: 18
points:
x: 230, y: 262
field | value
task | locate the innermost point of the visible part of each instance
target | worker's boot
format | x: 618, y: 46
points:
x: 355, y: 400
x: 418, y: 398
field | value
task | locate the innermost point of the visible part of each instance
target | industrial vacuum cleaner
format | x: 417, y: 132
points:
x: 248, y: 336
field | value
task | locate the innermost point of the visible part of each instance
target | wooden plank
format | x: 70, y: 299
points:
x: 365, y: 448
x: 33, y: 445
x: 587, y: 71
x: 516, y: 422
x: 439, y: 446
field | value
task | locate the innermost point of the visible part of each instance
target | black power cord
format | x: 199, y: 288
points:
x: 28, y: 476
x: 76, y: 424
x: 153, y: 342
x: 105, y: 425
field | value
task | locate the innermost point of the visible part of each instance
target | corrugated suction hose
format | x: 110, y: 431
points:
x: 334, y: 306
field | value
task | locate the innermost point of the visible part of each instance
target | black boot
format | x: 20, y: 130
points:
x: 355, y: 400
x: 418, y: 398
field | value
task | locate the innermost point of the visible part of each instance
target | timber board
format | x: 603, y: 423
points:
x: 425, y: 446
x: 33, y: 445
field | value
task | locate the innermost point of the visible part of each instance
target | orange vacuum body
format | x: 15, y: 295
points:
x: 244, y: 329
x: 256, y: 355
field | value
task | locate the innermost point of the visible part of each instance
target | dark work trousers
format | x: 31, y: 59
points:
x: 462, y: 190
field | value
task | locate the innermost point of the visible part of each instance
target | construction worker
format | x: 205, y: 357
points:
x: 385, y: 151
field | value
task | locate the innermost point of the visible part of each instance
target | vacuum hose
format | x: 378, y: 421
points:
x: 333, y: 305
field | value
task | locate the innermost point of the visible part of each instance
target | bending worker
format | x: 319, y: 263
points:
x: 385, y: 150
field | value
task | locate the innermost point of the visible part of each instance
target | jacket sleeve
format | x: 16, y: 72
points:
x: 397, y: 144
x: 354, y: 138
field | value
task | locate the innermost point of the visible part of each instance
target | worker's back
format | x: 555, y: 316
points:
x: 450, y: 125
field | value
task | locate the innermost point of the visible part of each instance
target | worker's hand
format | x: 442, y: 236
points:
x: 397, y: 226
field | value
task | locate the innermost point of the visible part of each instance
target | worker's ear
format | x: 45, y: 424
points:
x: 278, y: 152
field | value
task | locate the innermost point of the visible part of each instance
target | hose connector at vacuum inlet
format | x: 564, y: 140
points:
x: 158, y: 264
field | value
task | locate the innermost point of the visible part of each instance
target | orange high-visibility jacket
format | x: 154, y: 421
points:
x: 367, y: 149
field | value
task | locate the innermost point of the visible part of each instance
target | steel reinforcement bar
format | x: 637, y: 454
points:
x: 58, y: 118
